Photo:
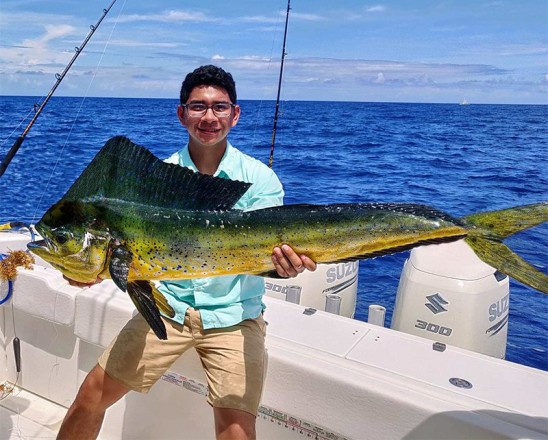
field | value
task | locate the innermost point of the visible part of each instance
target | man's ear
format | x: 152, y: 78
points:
x: 236, y: 116
x: 181, y: 114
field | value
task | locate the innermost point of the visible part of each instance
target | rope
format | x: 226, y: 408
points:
x: 11, y: 266
x: 7, y: 389
x: 10, y: 286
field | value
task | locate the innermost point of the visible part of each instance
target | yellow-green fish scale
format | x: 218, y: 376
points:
x: 190, y: 244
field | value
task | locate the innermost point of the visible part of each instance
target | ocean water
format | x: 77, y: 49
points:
x: 461, y: 159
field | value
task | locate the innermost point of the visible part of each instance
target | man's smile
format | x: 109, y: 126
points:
x: 210, y: 130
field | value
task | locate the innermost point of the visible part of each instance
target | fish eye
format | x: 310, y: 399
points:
x: 62, y: 237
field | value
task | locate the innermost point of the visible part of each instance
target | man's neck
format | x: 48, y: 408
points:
x: 207, y: 158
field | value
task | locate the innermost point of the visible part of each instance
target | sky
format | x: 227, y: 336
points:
x: 484, y: 51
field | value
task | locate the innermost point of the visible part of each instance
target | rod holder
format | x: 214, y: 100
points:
x: 376, y: 315
x: 293, y: 294
x: 333, y: 303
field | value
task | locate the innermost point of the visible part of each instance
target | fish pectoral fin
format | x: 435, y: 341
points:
x: 120, y: 262
x: 141, y: 293
x: 161, y: 302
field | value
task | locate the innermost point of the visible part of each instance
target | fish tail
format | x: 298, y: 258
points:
x: 488, y: 229
x: 506, y: 222
x: 508, y: 262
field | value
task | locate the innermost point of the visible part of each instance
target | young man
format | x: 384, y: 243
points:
x: 213, y: 315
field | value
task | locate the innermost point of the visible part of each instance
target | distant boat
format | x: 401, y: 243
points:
x: 464, y: 102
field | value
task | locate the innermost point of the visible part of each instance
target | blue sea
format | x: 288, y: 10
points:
x: 461, y: 159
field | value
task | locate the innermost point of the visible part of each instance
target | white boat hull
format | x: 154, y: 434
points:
x: 328, y: 376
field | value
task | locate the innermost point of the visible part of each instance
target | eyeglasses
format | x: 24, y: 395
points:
x: 199, y: 109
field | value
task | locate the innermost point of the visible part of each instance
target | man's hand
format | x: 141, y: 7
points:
x: 288, y: 264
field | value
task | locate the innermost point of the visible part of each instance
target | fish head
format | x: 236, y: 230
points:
x: 74, y: 240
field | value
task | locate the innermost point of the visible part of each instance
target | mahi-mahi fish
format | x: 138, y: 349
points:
x: 136, y: 219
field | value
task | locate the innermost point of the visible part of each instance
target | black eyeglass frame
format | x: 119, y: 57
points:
x: 207, y: 107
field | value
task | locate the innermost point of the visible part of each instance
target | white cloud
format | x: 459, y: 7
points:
x: 380, y: 78
x: 139, y: 43
x: 259, y: 19
x: 379, y: 73
x: 169, y: 17
x: 278, y: 18
x: 53, y: 32
x: 375, y: 8
x: 178, y: 16
x: 305, y: 17
x: 523, y: 49
x: 30, y: 53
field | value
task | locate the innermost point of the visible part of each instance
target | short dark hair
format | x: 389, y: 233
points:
x: 208, y: 76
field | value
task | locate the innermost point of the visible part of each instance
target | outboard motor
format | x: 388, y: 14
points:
x: 331, y: 287
x: 447, y: 294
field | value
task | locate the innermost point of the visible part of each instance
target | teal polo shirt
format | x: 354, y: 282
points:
x: 227, y: 300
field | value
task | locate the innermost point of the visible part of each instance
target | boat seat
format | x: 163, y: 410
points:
x: 101, y: 312
x: 44, y: 293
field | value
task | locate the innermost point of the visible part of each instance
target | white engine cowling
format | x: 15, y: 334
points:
x: 331, y: 287
x: 447, y: 294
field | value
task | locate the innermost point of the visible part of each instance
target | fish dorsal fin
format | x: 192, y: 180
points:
x: 127, y: 171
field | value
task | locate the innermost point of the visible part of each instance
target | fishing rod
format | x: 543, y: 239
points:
x: 59, y: 77
x: 271, y: 160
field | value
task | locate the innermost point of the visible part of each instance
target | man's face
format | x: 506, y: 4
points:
x: 209, y: 129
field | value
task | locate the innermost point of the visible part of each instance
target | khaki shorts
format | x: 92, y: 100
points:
x: 232, y: 357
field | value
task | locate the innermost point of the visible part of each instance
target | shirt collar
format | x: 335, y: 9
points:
x: 225, y: 168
